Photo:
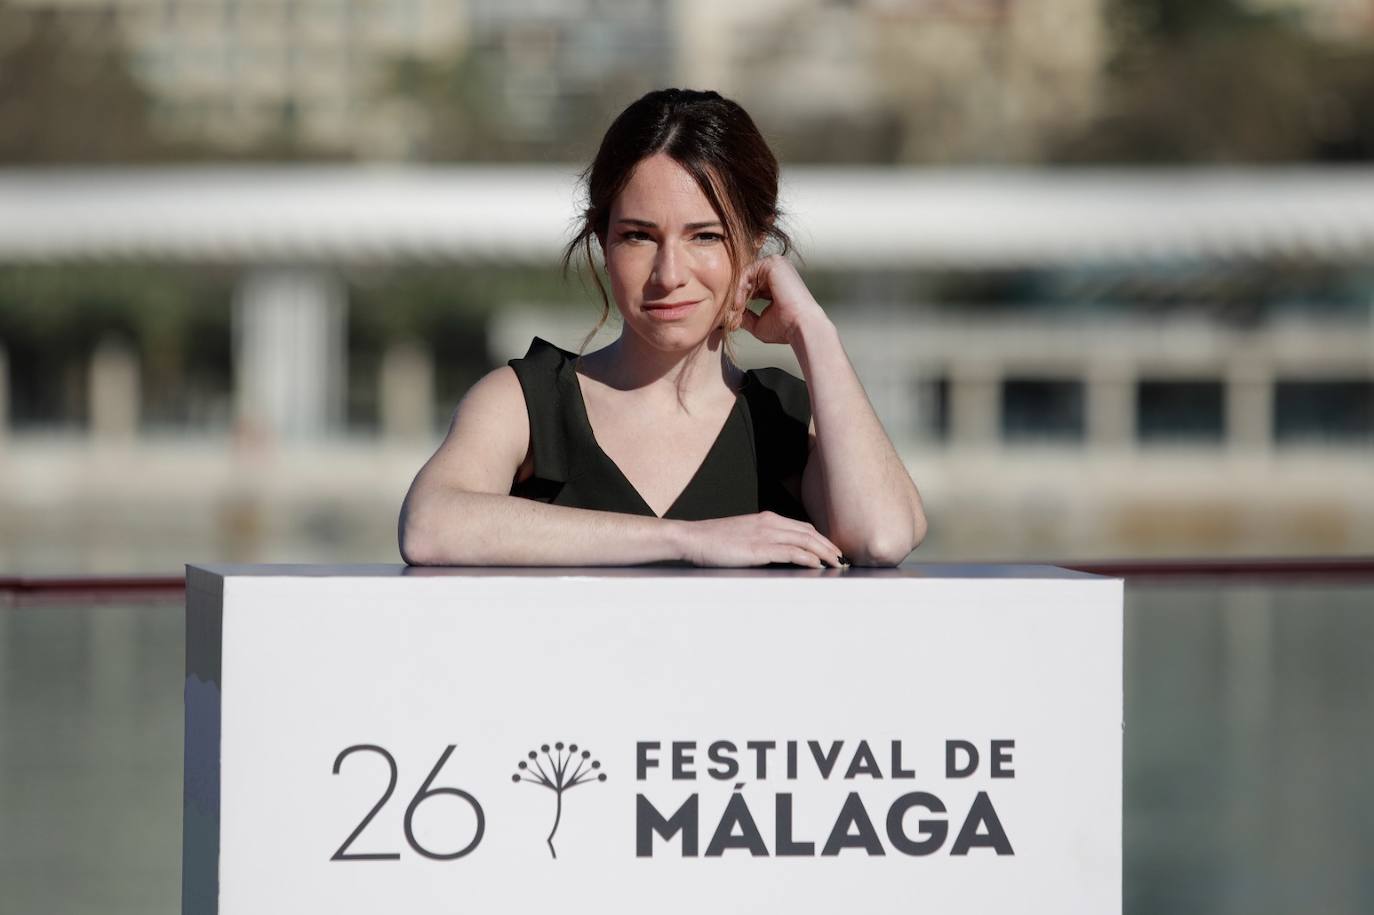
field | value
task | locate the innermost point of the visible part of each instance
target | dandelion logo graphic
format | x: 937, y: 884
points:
x: 561, y: 775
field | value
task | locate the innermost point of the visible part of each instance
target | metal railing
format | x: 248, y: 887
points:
x: 35, y: 589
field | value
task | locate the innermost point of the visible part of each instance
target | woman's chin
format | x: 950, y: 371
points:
x: 673, y: 337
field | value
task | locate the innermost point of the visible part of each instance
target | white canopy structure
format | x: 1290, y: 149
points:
x: 841, y: 217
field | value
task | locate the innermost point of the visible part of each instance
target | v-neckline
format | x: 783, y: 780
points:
x: 581, y: 403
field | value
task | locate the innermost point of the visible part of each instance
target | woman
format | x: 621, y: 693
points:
x: 691, y: 459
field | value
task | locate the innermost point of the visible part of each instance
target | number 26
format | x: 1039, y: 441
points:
x: 424, y: 793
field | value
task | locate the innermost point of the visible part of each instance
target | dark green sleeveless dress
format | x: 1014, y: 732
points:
x: 762, y: 446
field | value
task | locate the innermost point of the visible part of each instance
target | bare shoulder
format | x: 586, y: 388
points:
x: 494, y: 406
x: 488, y: 437
x: 498, y: 391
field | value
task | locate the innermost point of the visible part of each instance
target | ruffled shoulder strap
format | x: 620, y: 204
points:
x: 544, y: 372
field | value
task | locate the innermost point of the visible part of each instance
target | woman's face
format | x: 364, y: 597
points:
x: 667, y: 256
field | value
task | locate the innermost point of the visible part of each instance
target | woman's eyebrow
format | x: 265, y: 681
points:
x: 653, y: 225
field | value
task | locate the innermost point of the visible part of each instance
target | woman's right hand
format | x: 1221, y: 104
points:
x: 757, y: 539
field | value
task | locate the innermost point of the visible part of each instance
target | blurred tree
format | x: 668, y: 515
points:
x: 457, y: 100
x: 1180, y: 18
x: 1214, y: 81
x: 68, y: 96
x: 468, y: 115
x: 66, y: 93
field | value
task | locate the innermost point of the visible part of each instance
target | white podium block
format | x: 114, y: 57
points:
x: 380, y: 739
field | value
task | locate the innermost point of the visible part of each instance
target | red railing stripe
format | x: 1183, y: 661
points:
x: 40, y: 584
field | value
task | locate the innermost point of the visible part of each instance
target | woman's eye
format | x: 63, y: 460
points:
x: 637, y: 235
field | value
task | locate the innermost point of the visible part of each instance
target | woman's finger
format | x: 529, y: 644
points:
x: 754, y: 279
x: 827, y: 550
x: 796, y: 556
x: 810, y: 529
x: 747, y: 320
x: 813, y: 543
x: 748, y: 279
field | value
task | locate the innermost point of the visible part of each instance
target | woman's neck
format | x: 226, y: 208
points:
x: 690, y: 376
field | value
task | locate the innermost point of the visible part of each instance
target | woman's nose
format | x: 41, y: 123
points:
x: 668, y: 272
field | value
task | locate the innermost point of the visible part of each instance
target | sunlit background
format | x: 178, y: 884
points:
x: 1106, y: 268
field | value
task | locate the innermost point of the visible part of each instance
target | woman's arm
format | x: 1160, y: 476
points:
x: 868, y: 502
x: 459, y: 511
x: 855, y: 485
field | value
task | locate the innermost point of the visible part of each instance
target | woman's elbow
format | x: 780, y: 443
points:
x: 884, y: 551
x: 416, y: 548
x: 438, y: 527
x: 418, y: 536
x: 919, y: 527
x: 891, y: 546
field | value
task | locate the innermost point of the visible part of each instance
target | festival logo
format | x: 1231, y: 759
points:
x: 864, y: 817
x: 567, y: 768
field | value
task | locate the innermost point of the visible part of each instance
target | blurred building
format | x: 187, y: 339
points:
x: 993, y: 80
x: 1087, y: 423
x: 555, y: 58
x: 881, y: 80
x: 871, y: 80
x: 1130, y: 361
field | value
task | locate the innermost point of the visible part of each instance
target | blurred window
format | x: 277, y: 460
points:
x: 1334, y: 410
x: 931, y: 398
x: 1191, y: 410
x: 1042, y: 409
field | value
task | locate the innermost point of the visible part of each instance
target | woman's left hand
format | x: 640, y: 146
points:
x: 790, y: 303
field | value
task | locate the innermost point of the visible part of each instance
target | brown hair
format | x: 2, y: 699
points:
x: 716, y: 142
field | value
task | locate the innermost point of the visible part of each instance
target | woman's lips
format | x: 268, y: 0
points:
x: 671, y: 312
